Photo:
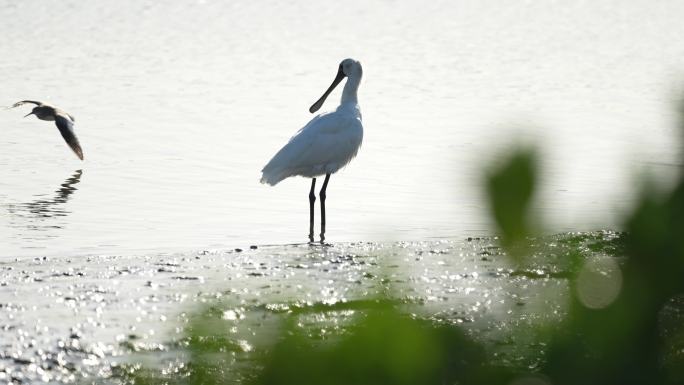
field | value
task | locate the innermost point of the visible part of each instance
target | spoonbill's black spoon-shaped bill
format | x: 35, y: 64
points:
x: 64, y: 122
x: 326, y: 144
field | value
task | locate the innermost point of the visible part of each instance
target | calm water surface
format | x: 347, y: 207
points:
x: 179, y: 105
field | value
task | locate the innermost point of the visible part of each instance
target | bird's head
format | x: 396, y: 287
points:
x: 348, y: 67
x: 33, y: 112
x: 351, y: 67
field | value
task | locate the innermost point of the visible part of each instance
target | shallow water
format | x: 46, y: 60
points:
x: 88, y: 316
x: 178, y: 107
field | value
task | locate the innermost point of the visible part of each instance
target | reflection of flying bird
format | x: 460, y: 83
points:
x: 42, y: 215
x: 326, y: 144
x: 63, y: 120
x: 49, y: 207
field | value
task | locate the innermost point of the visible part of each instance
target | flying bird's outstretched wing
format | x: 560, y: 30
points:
x: 66, y: 128
x: 17, y: 104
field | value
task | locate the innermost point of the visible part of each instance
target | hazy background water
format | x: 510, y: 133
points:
x: 179, y: 105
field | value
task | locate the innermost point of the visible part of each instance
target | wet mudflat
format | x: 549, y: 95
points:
x: 96, y: 318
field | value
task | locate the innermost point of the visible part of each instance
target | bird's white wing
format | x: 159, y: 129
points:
x: 333, y: 139
x: 66, y: 128
x: 325, y: 144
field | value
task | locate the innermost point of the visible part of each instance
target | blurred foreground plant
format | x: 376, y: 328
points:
x: 382, y: 347
x: 625, y: 323
x: 510, y: 188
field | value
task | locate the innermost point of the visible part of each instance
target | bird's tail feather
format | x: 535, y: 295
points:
x: 272, y: 177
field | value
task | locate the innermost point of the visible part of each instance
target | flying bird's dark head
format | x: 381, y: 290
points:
x: 33, y: 112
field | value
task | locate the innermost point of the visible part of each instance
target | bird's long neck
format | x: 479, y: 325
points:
x: 350, y: 89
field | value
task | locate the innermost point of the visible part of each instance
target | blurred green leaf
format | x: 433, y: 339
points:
x: 634, y: 339
x: 510, y: 188
x: 383, y: 347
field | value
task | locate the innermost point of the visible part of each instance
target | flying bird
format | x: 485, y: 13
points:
x: 63, y: 120
x: 325, y: 145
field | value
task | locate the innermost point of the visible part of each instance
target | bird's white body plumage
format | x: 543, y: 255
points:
x: 326, y: 144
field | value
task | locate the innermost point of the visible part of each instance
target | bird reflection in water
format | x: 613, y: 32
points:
x: 39, y: 212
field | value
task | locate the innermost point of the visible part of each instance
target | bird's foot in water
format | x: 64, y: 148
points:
x: 322, y: 242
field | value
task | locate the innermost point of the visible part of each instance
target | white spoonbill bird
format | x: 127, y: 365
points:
x: 64, y: 122
x: 326, y: 144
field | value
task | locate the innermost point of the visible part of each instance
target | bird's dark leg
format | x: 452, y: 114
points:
x: 322, y: 195
x: 312, y: 200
